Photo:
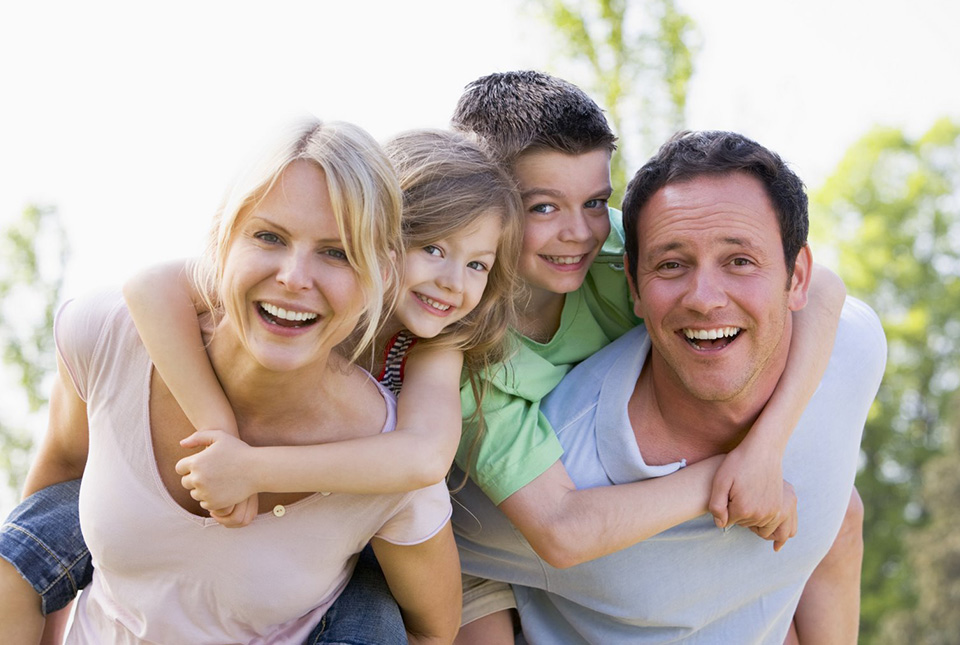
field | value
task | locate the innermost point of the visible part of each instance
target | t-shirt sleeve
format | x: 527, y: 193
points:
x: 78, y: 331
x: 421, y: 515
x: 518, y: 444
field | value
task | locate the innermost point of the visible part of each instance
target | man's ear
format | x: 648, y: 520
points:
x: 800, y: 281
x: 632, y: 284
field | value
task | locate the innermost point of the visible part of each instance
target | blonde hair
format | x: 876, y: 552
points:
x: 448, y: 183
x: 364, y: 195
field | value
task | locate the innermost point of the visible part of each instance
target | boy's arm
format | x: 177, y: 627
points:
x: 416, y: 454
x: 164, y: 304
x: 748, y: 487
x: 567, y: 526
x: 425, y: 580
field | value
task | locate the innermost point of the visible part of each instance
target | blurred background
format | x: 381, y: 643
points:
x: 122, y: 123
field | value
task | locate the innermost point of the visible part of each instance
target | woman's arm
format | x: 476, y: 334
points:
x: 62, y: 455
x: 416, y: 454
x: 747, y: 488
x: 425, y: 580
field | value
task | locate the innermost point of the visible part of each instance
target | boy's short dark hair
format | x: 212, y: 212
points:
x: 513, y: 112
x: 688, y: 155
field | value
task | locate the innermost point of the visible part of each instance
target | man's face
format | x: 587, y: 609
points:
x: 712, y: 287
x: 565, y: 216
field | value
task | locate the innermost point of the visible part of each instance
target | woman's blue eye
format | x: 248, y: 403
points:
x: 269, y: 238
x: 338, y: 254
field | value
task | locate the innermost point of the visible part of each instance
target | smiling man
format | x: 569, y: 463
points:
x: 717, y: 260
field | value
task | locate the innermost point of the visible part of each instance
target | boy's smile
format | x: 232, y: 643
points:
x: 566, y: 222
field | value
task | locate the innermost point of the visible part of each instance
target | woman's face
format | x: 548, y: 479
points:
x: 287, y: 285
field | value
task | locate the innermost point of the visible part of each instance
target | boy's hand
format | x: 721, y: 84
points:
x: 748, y: 489
x: 219, y: 476
x: 785, y: 527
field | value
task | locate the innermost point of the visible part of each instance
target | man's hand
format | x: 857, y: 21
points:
x: 219, y: 477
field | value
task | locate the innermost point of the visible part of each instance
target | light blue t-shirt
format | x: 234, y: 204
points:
x: 693, y: 583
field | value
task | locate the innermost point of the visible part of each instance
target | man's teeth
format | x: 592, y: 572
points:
x: 711, y: 334
x: 433, y: 303
x: 563, y: 259
x: 280, y: 312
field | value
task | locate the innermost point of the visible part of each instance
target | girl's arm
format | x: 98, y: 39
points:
x: 164, y: 303
x: 425, y: 580
x: 747, y: 487
x: 416, y: 454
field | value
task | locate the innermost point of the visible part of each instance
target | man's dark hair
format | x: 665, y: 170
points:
x: 688, y: 155
x: 514, y: 112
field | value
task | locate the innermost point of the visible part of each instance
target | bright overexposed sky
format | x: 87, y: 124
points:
x: 131, y: 117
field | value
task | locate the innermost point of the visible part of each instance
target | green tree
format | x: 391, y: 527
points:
x: 636, y: 60
x: 894, y: 206
x: 34, y: 251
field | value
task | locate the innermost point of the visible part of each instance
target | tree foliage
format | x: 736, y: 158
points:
x: 894, y: 203
x: 636, y: 59
x: 34, y: 251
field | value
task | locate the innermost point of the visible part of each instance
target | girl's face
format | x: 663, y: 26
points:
x: 444, y: 281
x: 287, y: 285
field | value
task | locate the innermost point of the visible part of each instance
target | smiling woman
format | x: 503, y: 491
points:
x: 297, y: 260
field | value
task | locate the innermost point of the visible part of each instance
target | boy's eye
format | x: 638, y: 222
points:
x: 433, y: 250
x: 595, y: 203
x: 545, y: 209
x: 266, y: 236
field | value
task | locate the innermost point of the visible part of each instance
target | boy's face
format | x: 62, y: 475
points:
x: 566, y: 222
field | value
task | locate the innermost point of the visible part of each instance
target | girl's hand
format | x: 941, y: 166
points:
x: 748, y: 488
x: 219, y: 476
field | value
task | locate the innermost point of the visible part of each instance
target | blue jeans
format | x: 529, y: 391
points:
x: 41, y: 538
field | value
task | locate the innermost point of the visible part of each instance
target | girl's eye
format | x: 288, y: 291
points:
x: 595, y: 203
x: 433, y: 250
x: 477, y: 266
x: 266, y: 236
x: 544, y: 209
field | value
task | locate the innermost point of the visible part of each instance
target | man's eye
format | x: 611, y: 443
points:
x: 742, y: 262
x: 668, y: 266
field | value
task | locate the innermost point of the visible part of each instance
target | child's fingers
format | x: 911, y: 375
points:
x: 199, y: 439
